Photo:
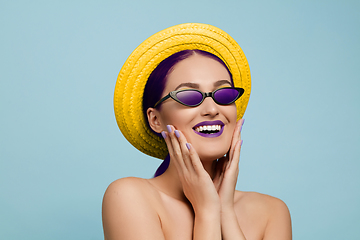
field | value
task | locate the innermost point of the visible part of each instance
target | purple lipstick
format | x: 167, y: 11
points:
x: 209, y: 129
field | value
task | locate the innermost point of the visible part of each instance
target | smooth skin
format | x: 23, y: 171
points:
x: 195, y: 198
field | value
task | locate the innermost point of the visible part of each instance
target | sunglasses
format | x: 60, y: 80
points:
x: 193, y: 97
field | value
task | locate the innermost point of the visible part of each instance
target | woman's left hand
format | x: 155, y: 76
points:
x: 226, y: 169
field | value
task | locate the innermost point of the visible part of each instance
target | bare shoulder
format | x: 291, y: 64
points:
x: 126, y: 187
x: 128, y: 204
x: 254, y: 200
x: 271, y: 213
x: 128, y: 192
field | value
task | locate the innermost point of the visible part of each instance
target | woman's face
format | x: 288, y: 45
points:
x: 205, y: 74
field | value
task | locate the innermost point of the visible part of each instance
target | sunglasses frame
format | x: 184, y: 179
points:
x: 204, y: 95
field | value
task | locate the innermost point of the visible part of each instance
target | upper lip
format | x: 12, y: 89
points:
x: 207, y: 123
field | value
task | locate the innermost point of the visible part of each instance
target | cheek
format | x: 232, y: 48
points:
x: 232, y: 116
x: 178, y: 117
x: 230, y: 113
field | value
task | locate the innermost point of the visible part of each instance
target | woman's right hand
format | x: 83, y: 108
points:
x: 197, y: 184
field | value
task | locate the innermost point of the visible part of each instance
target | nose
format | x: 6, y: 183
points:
x: 209, y: 108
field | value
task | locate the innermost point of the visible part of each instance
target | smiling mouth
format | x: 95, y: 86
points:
x: 208, y: 129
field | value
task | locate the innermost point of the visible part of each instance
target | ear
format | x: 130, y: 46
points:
x: 154, y: 119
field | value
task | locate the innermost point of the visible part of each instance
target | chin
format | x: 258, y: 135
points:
x: 211, y: 155
x: 211, y: 150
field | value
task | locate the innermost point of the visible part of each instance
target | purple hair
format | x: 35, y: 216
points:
x: 156, y: 83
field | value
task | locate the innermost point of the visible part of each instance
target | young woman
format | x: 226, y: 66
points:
x: 188, y: 98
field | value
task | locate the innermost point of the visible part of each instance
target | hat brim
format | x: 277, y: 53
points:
x: 144, y: 59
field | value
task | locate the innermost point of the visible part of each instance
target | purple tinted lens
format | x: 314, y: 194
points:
x: 190, y: 98
x: 226, y: 95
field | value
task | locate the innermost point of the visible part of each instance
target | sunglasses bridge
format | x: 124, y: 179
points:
x: 208, y: 94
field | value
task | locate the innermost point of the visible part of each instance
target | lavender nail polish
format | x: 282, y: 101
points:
x: 177, y: 133
x: 188, y: 145
x: 169, y: 128
x: 163, y: 134
x: 241, y: 142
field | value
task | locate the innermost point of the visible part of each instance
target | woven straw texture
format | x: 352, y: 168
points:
x: 133, y: 76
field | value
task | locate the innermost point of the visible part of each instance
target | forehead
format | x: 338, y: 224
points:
x: 198, y: 69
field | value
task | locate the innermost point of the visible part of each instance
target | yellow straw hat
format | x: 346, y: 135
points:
x: 144, y: 59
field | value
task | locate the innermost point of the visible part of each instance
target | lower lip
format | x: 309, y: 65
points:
x: 212, y: 135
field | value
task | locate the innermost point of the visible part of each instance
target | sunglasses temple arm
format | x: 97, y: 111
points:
x: 161, y: 100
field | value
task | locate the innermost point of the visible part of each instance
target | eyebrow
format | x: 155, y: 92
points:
x: 222, y: 82
x: 196, y: 85
x: 188, y: 84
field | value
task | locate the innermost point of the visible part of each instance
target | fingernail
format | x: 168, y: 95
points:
x: 243, y: 121
x: 177, y: 133
x: 240, y: 128
x: 169, y: 128
x: 163, y: 134
x: 241, y: 142
x: 188, y: 146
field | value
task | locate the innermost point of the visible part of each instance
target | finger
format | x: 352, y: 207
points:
x: 236, y: 136
x: 184, y: 150
x: 175, y: 146
x: 175, y: 151
x: 234, y: 163
x: 195, y: 160
x: 168, y: 142
x: 240, y: 130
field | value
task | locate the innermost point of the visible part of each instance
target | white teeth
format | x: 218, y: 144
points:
x: 208, y: 128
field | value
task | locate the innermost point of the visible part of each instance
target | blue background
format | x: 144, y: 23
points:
x: 60, y: 146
